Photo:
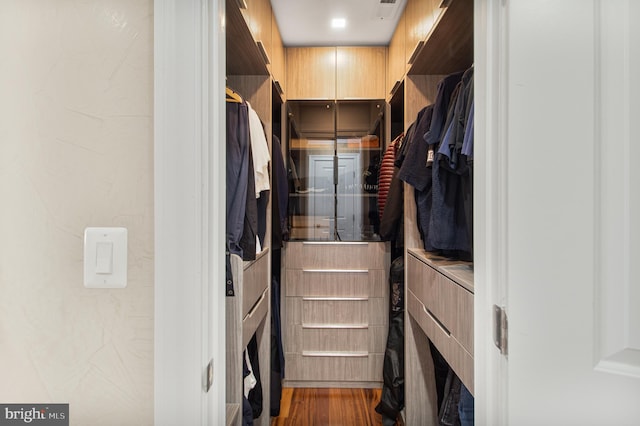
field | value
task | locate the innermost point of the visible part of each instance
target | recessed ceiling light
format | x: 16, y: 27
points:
x: 338, y: 23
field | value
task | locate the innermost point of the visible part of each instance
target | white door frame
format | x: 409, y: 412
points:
x: 490, y: 207
x: 189, y: 163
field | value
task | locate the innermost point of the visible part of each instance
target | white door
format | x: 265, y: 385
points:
x: 558, y: 218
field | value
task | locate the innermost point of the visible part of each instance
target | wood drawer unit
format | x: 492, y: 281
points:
x: 443, y: 308
x: 335, y: 312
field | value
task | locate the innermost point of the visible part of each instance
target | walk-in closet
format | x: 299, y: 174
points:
x: 353, y: 179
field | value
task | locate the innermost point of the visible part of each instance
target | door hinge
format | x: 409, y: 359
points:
x: 209, y: 376
x: 500, y: 329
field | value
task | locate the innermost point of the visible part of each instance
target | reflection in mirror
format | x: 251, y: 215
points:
x: 334, y: 151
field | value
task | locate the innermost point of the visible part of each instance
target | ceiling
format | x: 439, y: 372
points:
x: 308, y: 22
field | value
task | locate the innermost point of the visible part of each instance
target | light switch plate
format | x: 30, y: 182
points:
x: 105, y: 257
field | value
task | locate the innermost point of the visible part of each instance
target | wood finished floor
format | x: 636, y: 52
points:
x: 328, y: 407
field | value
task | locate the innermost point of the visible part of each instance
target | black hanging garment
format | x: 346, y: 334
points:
x: 255, y: 394
x: 392, y: 398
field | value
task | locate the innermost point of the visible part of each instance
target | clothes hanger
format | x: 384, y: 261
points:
x: 232, y: 96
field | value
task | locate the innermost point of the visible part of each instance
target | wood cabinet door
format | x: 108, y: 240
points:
x: 360, y: 72
x: 311, y: 72
x: 396, y: 56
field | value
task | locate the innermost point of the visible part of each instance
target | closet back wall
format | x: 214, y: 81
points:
x: 76, y: 150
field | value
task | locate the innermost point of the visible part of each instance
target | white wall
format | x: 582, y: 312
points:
x: 76, y: 150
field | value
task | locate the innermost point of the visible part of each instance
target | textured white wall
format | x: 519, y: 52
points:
x: 76, y: 150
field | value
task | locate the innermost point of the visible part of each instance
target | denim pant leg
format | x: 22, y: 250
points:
x: 465, y: 407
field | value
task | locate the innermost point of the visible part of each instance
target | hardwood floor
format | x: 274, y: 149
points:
x: 328, y: 407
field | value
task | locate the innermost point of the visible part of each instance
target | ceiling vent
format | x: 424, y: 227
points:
x: 386, y: 9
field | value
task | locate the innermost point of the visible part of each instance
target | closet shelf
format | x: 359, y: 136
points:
x: 243, y: 53
x: 449, y: 46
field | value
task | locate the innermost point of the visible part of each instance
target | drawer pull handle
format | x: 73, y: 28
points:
x: 336, y: 271
x: 436, y: 320
x: 335, y: 354
x: 335, y: 326
x: 254, y: 308
x: 333, y: 243
x: 336, y: 299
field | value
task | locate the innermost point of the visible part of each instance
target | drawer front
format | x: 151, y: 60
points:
x: 370, y: 338
x: 335, y: 255
x: 458, y: 358
x: 335, y: 312
x: 447, y: 301
x: 252, y: 320
x: 329, y: 366
x: 310, y: 311
x: 335, y: 340
x: 254, y: 282
x: 335, y: 282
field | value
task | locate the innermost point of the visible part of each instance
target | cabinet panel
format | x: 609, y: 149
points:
x: 311, y: 72
x: 360, y: 72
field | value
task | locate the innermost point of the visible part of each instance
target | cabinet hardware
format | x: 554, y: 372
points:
x: 500, y: 329
x: 337, y: 271
x: 335, y: 298
x: 209, y: 376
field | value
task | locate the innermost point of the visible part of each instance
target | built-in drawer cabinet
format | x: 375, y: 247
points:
x: 336, y: 309
x: 443, y: 308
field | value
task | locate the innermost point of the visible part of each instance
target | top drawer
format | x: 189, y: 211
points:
x: 335, y: 255
x: 448, y: 302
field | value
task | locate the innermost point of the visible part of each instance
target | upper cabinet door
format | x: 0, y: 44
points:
x: 311, y: 72
x: 360, y: 72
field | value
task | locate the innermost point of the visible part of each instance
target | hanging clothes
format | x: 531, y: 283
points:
x: 247, y: 178
x: 237, y: 172
x: 260, y: 151
x: 386, y: 173
x: 414, y: 170
x: 448, y: 228
x: 280, y: 194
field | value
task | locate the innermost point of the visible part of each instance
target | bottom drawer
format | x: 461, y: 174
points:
x: 334, y: 366
x: 458, y: 358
